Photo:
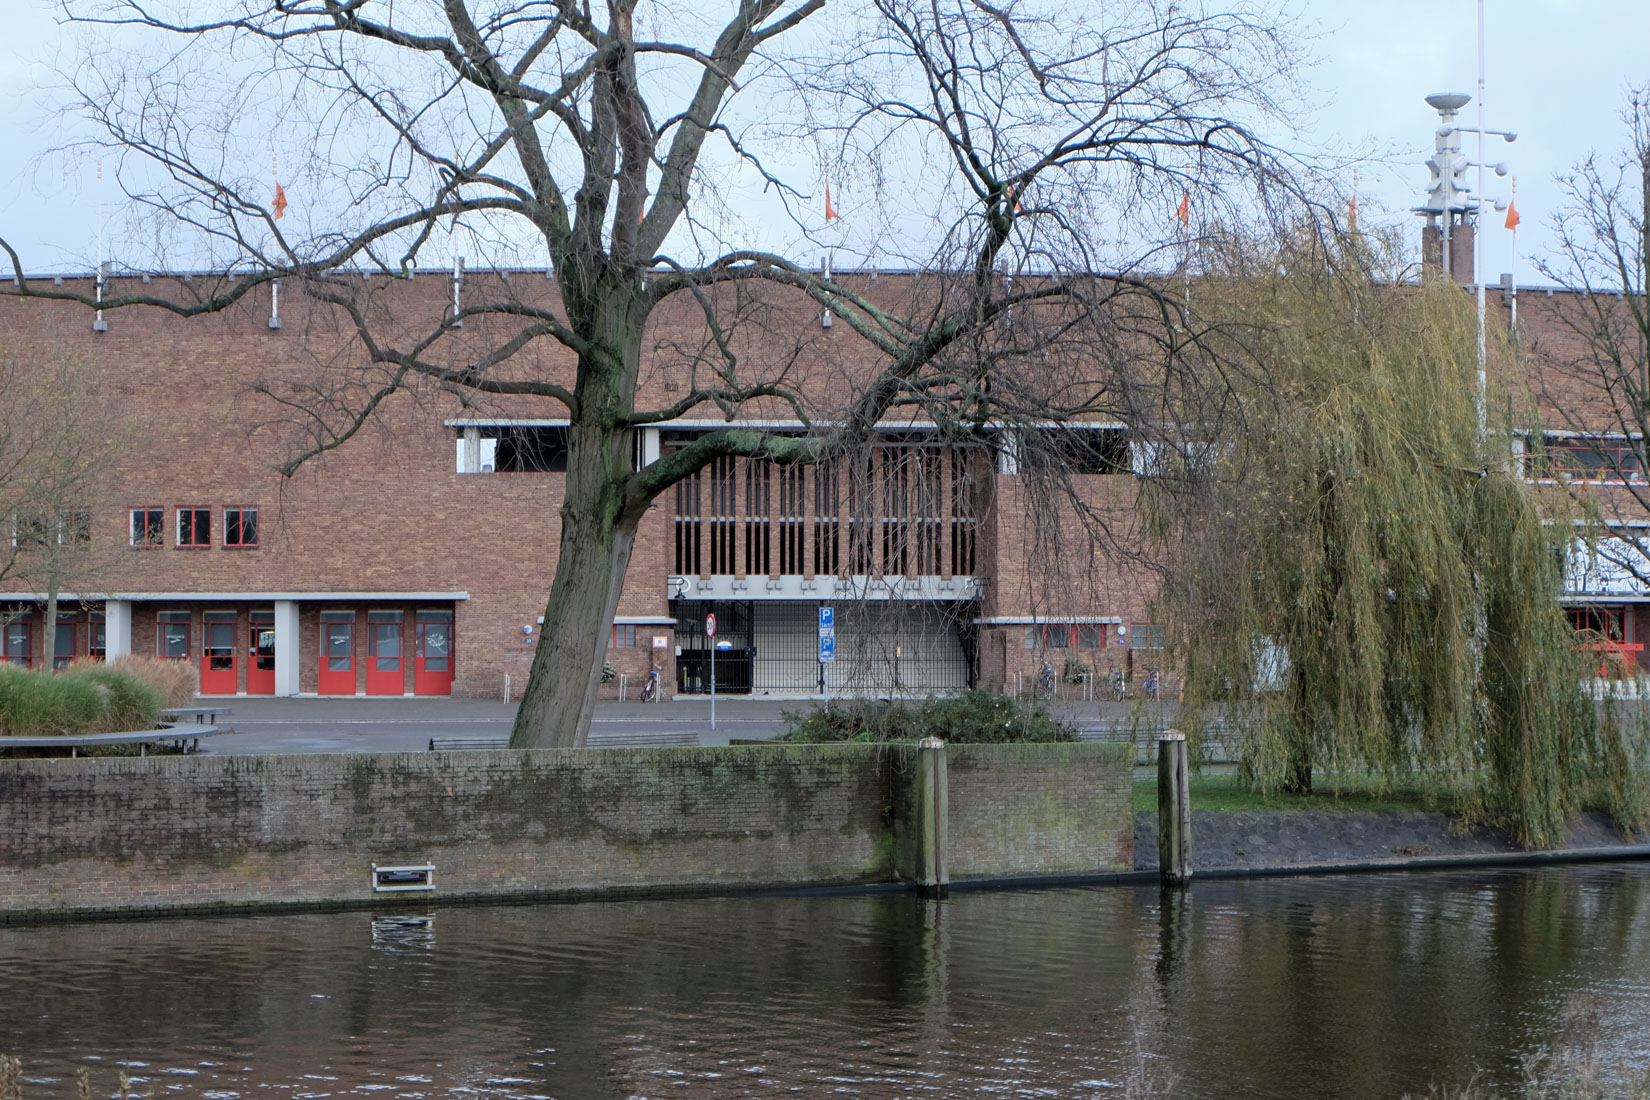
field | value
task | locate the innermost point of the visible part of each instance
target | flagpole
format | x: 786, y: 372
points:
x: 1512, y: 207
x: 1478, y: 241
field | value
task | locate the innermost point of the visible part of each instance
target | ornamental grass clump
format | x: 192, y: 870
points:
x: 76, y: 701
x: 1363, y: 581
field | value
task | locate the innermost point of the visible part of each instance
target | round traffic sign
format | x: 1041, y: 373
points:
x: 710, y: 626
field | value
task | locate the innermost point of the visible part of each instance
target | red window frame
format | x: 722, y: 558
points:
x: 238, y: 526
x: 198, y: 539
x: 153, y: 535
x: 97, y: 642
x: 20, y: 628
x: 624, y: 636
x: 165, y: 619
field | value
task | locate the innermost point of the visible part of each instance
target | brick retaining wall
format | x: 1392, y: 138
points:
x: 157, y: 833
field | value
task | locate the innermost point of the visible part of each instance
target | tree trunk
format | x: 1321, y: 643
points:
x: 48, y: 640
x: 567, y: 668
x: 597, y: 536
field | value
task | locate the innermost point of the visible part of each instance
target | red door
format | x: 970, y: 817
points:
x: 218, y: 653
x: 433, y: 659
x: 385, y: 675
x: 337, y: 673
x: 260, y: 673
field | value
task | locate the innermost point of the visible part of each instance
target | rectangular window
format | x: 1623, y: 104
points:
x: 1091, y: 635
x: 240, y: 527
x: 194, y: 527
x: 74, y: 526
x: 1148, y: 636
x: 98, y: 644
x: 1588, y: 458
x: 63, y: 644
x: 1048, y: 636
x: 624, y: 636
x: 172, y: 635
x: 14, y: 642
x: 263, y: 640
x: 29, y: 530
x: 384, y: 641
x: 147, y: 531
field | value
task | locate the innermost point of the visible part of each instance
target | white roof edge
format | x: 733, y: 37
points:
x: 757, y: 422
x: 1030, y: 620
x: 295, y: 596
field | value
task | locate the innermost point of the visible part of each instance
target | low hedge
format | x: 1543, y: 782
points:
x: 974, y: 717
x: 84, y: 699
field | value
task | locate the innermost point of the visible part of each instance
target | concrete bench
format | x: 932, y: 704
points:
x: 663, y: 740
x: 204, y: 715
x: 186, y: 734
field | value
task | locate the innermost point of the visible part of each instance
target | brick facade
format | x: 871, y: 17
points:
x: 387, y: 522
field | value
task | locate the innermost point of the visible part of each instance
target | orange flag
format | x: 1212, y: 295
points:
x: 1185, y: 211
x: 830, y: 211
x: 280, y: 201
x: 1512, y: 215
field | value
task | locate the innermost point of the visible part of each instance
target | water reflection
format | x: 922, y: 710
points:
x: 1356, y: 986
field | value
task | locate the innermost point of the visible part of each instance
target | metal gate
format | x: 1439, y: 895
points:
x: 882, y: 648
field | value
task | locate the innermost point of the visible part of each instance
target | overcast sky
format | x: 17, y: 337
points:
x: 1556, y: 73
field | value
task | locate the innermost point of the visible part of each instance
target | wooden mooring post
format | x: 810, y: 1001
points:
x: 1174, y: 810
x: 932, y: 811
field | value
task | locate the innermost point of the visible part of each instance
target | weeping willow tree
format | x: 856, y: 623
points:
x: 1360, y: 580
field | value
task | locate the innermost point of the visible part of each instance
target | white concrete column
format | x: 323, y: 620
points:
x: 117, y: 628
x: 650, y: 446
x: 472, y: 452
x: 286, y: 647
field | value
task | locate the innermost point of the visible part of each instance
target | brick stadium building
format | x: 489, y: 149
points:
x: 416, y: 558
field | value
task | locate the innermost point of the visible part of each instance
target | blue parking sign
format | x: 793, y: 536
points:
x: 827, y: 618
x: 827, y: 648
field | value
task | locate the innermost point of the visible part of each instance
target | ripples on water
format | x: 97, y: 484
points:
x: 1349, y: 986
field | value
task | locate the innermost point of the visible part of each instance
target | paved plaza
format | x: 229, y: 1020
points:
x: 263, y: 725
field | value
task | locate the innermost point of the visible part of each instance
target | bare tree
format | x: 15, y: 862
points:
x: 1048, y: 147
x: 1594, y: 376
x: 58, y: 438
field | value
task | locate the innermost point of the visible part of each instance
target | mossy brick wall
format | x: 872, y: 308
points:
x: 190, y: 832
x: 1039, y: 809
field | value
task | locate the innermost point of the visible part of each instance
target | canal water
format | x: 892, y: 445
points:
x: 1373, y: 985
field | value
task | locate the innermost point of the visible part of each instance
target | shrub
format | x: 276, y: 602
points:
x: 93, y: 699
x: 175, y: 680
x: 974, y: 717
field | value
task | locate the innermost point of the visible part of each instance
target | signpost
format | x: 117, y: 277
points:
x: 827, y: 642
x: 710, y: 632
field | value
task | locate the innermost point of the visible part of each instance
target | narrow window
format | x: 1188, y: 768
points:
x: 14, y: 642
x: 147, y: 532
x: 194, y: 527
x: 74, y: 526
x: 97, y: 646
x: 240, y: 527
x: 172, y: 635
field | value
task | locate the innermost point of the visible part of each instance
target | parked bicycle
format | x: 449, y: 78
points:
x: 1045, y: 683
x: 1119, y: 686
x: 650, y: 690
x: 1148, y: 686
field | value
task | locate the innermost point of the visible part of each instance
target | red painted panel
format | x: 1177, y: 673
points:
x: 433, y: 664
x: 218, y: 659
x: 260, y: 669
x: 385, y: 675
x: 337, y: 675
